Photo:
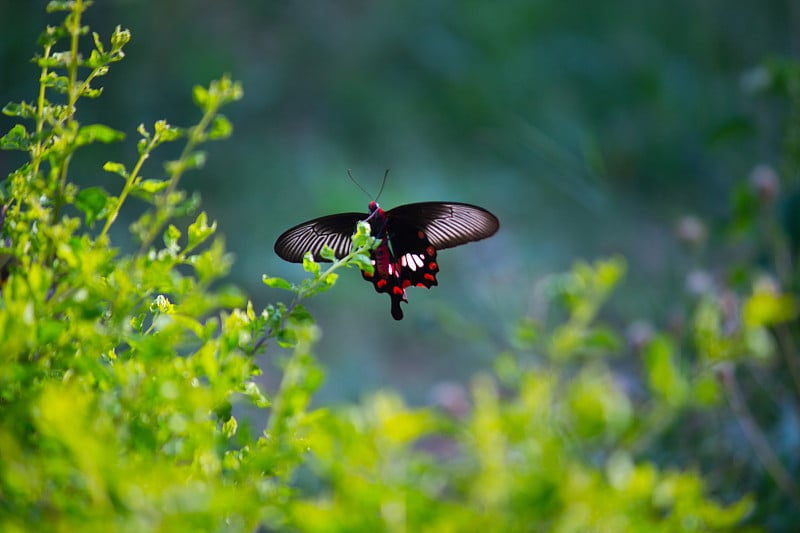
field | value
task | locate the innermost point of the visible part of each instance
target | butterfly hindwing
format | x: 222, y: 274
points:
x: 405, y: 258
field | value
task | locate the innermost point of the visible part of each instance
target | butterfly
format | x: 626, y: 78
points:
x: 411, y: 235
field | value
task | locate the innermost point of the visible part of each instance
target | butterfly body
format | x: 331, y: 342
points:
x: 410, y: 237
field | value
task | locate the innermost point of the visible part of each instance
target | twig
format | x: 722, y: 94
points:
x: 302, y: 293
x: 790, y: 353
x: 761, y: 446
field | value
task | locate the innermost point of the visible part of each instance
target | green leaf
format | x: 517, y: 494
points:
x: 116, y: 168
x: 766, y: 307
x: 327, y: 253
x: 51, y: 35
x: 199, y: 231
x: 16, y: 139
x: 309, y: 265
x: 200, y: 96
x: 362, y: 236
x: 665, y: 378
x: 252, y: 391
x: 229, y: 427
x: 221, y: 128
x: 213, y: 263
x: 21, y: 109
x: 300, y: 314
x: 286, y: 338
x: 91, y: 201
x: 171, y: 236
x: 166, y: 132
x: 526, y: 334
x: 147, y: 189
x: 98, y: 44
x: 195, y: 160
x: 276, y: 283
x: 603, y: 339
x: 98, y: 132
x: 137, y: 321
x: 120, y: 38
x: 184, y: 206
x: 88, y: 92
x: 143, y: 131
x: 59, y: 5
x: 610, y: 271
x: 54, y: 81
x: 363, y: 262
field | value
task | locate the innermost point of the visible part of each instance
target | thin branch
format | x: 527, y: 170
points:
x: 303, y: 293
x: 761, y: 446
x: 789, y: 350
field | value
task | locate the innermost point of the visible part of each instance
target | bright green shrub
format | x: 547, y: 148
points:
x: 120, y: 370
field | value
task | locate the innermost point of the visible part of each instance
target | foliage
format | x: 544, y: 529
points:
x: 121, y: 370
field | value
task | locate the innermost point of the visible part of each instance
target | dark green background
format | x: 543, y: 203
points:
x: 588, y: 127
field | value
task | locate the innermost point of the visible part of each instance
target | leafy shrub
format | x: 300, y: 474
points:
x: 121, y: 369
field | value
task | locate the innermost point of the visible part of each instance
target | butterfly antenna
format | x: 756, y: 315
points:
x: 385, y: 175
x: 350, y: 175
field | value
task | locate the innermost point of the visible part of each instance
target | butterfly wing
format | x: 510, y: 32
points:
x: 311, y: 236
x: 446, y: 224
x: 405, y: 258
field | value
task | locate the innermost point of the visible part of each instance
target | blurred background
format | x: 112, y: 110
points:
x: 589, y: 129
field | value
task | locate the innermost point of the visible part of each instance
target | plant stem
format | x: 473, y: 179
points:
x: 761, y: 446
x: 195, y: 136
x: 129, y: 183
x: 302, y: 293
x: 790, y: 353
x: 73, y: 93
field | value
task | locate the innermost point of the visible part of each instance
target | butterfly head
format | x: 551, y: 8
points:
x: 375, y: 210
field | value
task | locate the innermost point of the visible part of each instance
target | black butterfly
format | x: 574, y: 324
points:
x: 410, y: 237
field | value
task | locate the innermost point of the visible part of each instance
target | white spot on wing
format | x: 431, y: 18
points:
x: 411, y: 261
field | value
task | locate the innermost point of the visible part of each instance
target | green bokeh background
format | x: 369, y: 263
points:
x: 588, y: 128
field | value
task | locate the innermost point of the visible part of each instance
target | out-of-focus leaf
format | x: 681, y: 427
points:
x: 767, y: 308
x: 663, y: 374
x: 98, y: 132
x: 91, y: 201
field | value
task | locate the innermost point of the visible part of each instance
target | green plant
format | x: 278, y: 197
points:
x: 121, y: 371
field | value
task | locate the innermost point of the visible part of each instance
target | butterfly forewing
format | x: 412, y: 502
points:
x: 311, y: 236
x: 446, y: 224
